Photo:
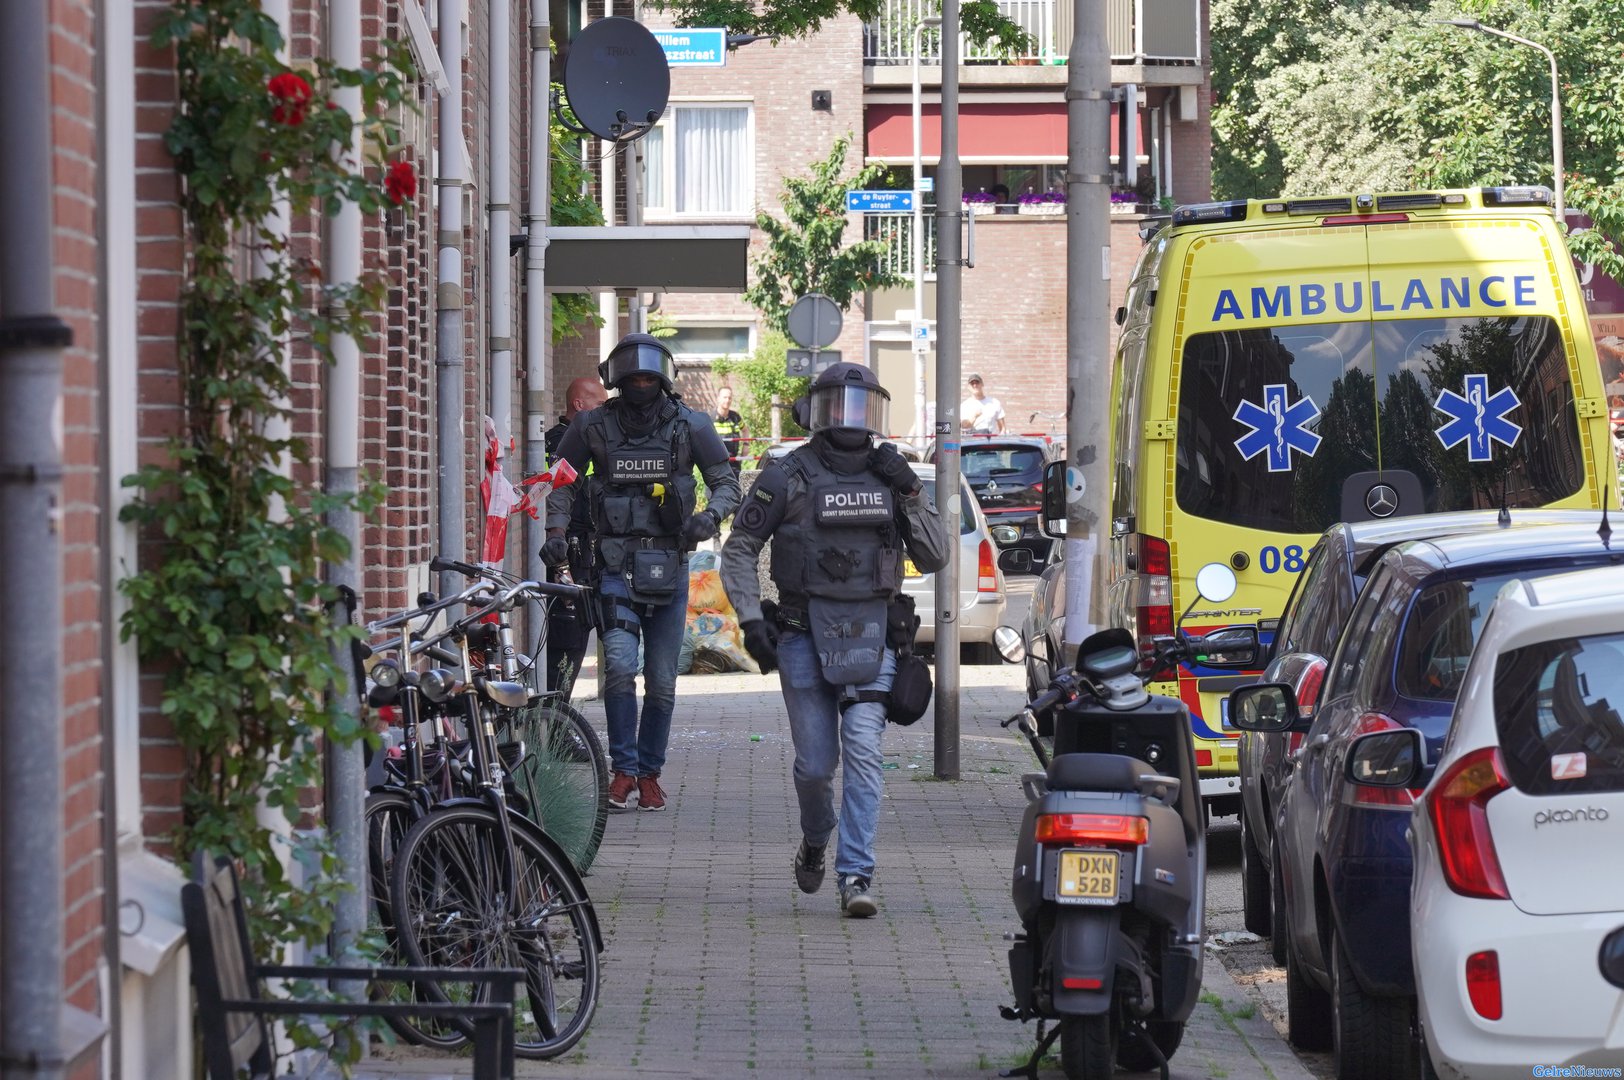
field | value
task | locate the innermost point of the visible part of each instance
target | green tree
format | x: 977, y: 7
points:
x: 763, y: 375
x: 571, y: 205
x: 983, y: 21
x: 807, y: 250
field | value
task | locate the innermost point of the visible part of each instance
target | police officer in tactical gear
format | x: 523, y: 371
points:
x: 642, y: 447
x: 842, y: 512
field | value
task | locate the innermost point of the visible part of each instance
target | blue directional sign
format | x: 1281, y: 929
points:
x: 693, y: 48
x: 879, y: 202
x: 1478, y: 418
x: 1278, y: 428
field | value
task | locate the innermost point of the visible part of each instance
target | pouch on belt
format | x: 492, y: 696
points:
x: 849, y: 637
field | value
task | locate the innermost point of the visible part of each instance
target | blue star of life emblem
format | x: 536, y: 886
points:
x: 1278, y: 428
x: 1477, y: 418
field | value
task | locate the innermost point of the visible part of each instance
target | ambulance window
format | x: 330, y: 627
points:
x: 1420, y: 360
x: 1280, y: 487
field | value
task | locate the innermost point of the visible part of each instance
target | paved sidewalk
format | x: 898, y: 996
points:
x: 717, y: 966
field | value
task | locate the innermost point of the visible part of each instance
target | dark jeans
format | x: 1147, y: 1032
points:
x: 638, y: 748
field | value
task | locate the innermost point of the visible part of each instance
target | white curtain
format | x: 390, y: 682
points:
x: 714, y: 168
x: 654, y: 193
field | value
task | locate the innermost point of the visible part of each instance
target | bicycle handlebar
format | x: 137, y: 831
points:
x: 467, y: 595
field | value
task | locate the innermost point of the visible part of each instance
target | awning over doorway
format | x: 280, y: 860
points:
x: 989, y: 132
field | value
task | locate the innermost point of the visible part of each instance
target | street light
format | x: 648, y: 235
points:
x: 1556, y: 101
x: 917, y: 342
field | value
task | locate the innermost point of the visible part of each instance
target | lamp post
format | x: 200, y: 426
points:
x: 918, y: 237
x: 1556, y: 100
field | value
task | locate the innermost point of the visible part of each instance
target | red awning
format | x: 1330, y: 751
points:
x: 988, y: 132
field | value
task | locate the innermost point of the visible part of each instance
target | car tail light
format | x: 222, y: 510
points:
x: 986, y: 569
x: 1294, y: 742
x: 1151, y: 560
x: 1483, y: 983
x: 1117, y: 829
x: 1388, y: 798
x: 1309, y: 681
x: 1458, y: 809
x: 1203, y: 759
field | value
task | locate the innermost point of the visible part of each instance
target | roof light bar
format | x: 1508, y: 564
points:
x: 1414, y: 200
x: 1516, y: 196
x: 1319, y: 206
x: 1234, y: 210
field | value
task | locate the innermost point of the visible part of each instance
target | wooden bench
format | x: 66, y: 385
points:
x: 232, y: 1009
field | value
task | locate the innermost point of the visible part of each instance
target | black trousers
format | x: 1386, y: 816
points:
x: 566, y: 648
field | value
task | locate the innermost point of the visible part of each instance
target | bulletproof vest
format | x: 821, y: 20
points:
x: 840, y: 542
x: 641, y: 487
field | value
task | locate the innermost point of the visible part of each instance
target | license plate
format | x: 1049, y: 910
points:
x: 1088, y: 876
x: 909, y: 569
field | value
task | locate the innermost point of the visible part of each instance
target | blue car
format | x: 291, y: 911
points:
x: 1341, y: 853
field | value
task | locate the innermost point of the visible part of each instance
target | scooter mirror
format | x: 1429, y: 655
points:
x: 1009, y: 644
x: 1215, y: 582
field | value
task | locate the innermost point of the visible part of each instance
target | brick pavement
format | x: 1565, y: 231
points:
x: 717, y: 966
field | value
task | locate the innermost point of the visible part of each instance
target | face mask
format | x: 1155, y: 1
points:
x: 847, y: 438
x: 641, y: 397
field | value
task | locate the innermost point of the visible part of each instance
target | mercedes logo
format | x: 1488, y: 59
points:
x: 1381, y: 500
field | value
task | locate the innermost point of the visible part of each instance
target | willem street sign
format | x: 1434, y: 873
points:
x: 693, y: 48
x: 879, y: 202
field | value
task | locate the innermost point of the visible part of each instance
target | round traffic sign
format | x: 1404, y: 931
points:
x: 814, y: 321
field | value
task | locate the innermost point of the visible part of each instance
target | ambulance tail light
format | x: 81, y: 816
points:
x: 1152, y: 562
x: 1199, y: 213
x: 1516, y: 196
x: 1365, y: 219
x: 986, y: 569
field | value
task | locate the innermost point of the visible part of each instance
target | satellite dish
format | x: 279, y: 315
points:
x: 616, y: 80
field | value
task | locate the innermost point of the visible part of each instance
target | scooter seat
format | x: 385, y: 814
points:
x: 1096, y: 772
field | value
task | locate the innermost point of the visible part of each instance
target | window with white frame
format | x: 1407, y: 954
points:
x: 699, y: 160
x: 703, y: 342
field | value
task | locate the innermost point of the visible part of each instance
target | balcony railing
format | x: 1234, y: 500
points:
x: 896, y: 230
x: 1157, y: 31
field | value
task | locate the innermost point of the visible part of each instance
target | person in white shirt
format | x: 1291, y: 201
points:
x: 980, y: 413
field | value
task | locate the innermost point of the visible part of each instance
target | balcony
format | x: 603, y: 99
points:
x: 1139, y: 32
x: 896, y: 230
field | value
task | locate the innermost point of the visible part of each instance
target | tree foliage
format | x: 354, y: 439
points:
x: 983, y: 21
x: 1323, y: 95
x: 807, y: 250
x: 764, y: 374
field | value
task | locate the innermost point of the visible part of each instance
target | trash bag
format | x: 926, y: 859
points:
x: 712, y: 642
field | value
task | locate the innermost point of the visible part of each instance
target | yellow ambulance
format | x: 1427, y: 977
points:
x: 1286, y: 364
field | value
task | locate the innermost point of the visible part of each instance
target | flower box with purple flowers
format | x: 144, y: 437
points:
x: 1043, y: 202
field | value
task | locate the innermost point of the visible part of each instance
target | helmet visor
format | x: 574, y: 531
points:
x: 629, y: 359
x: 850, y: 405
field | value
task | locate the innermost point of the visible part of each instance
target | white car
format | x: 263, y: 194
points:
x: 1517, y: 902
x: 981, y: 582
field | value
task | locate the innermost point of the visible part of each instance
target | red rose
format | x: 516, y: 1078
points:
x: 400, y: 182
x: 292, y: 94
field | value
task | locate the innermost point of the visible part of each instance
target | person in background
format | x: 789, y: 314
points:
x: 981, y: 413
x: 729, y: 425
x: 567, y: 631
x: 637, y: 456
x: 842, y: 511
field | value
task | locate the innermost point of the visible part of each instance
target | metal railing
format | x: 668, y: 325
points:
x: 896, y: 231
x: 1137, y: 30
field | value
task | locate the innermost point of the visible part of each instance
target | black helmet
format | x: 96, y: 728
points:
x: 638, y: 352
x: 848, y: 396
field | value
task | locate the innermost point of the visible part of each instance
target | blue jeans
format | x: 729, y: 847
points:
x: 823, y: 738
x: 639, y: 750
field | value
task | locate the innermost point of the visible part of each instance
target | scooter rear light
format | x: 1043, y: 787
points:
x: 986, y: 571
x: 1092, y: 829
x: 1081, y: 984
x: 1483, y: 984
x: 1378, y: 798
x: 1458, y: 809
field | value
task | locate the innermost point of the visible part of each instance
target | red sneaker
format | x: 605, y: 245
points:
x: 649, y: 794
x: 620, y: 790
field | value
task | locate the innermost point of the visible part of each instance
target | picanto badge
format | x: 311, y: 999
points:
x: 1277, y: 428
x: 1477, y: 418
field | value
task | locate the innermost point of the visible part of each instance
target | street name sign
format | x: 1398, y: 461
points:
x: 693, y: 48
x: 879, y: 202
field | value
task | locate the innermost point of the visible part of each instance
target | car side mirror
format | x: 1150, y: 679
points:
x: 1263, y: 707
x: 1005, y: 535
x: 1231, y: 647
x: 1052, y: 517
x: 1387, y: 759
x: 1009, y: 644
x: 1015, y: 561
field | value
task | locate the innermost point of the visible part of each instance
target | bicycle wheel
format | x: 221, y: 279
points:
x: 389, y: 816
x: 564, y: 778
x: 449, y: 911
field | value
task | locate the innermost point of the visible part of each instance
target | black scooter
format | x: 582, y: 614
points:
x: 1110, y: 864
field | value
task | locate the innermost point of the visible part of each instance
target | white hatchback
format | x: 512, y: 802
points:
x: 1517, y: 903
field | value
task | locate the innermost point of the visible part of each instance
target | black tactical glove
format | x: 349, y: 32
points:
x: 761, y: 642
x: 555, y: 550
x: 700, y: 527
x: 889, y: 465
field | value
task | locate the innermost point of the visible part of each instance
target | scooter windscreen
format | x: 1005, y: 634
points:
x: 1107, y: 653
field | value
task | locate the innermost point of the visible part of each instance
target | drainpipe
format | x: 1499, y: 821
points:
x: 346, y: 773
x: 448, y: 362
x: 501, y: 219
x: 537, y: 325
x: 32, y: 339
